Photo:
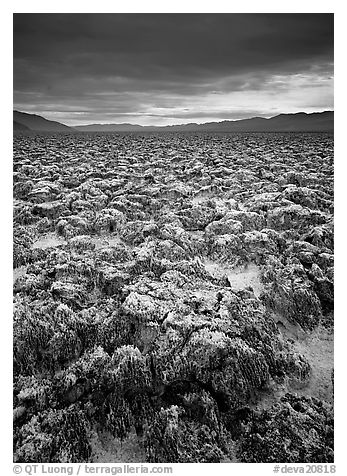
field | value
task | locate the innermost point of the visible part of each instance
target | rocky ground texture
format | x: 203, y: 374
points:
x: 173, y: 298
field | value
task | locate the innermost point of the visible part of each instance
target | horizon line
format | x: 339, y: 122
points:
x: 175, y: 125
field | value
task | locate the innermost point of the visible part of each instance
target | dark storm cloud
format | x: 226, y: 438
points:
x: 91, y: 60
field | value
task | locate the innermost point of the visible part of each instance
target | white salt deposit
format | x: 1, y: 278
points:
x: 51, y: 240
x: 18, y: 272
x: 239, y: 277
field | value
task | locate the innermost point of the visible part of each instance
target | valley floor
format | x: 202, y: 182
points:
x: 173, y: 298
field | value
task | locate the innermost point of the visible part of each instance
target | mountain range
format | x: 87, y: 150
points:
x: 298, y: 122
x: 32, y: 122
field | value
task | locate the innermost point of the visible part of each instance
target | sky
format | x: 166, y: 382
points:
x: 159, y: 69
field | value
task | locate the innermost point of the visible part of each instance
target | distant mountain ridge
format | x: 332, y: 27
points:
x: 297, y: 122
x: 37, y: 123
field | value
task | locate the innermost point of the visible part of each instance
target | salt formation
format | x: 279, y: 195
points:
x: 165, y: 286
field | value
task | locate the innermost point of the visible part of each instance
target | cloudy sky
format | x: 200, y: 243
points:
x: 171, y: 68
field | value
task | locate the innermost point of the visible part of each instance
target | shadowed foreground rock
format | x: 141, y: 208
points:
x: 294, y: 430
